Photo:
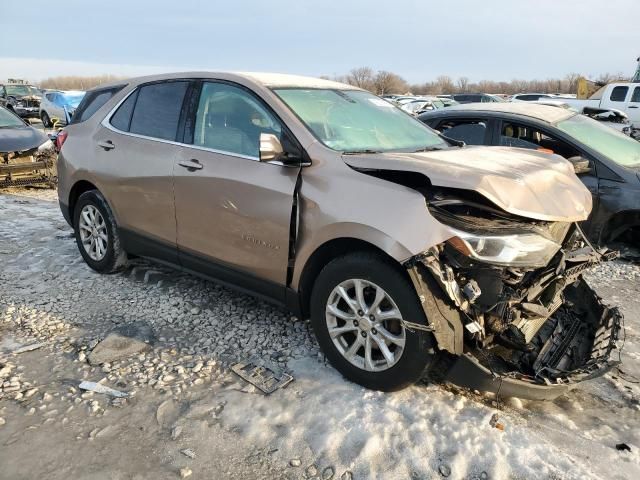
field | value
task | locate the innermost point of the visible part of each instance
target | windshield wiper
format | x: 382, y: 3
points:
x: 357, y: 152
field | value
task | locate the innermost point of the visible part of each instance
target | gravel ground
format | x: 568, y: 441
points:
x: 187, y: 415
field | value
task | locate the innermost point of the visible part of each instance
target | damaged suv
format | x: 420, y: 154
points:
x: 408, y: 252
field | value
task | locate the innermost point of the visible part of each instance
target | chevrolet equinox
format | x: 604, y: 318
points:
x: 409, y: 251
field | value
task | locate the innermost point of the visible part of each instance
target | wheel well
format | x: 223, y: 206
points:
x: 620, y: 224
x: 78, y: 189
x: 327, y: 252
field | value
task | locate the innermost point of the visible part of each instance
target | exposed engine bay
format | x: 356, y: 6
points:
x: 508, y: 291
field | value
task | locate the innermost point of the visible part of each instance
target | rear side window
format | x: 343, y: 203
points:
x: 122, y: 118
x: 618, y: 94
x: 157, y: 110
x: 635, y: 98
x: 92, y: 102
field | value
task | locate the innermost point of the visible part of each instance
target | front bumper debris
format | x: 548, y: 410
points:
x: 531, y: 333
x: 27, y: 112
x: 28, y: 168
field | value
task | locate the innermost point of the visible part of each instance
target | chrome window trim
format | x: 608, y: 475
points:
x: 106, y: 122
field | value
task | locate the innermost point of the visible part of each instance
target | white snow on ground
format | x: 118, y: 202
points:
x: 415, y: 431
x: 424, y: 430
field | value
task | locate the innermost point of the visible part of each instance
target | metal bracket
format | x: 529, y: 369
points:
x: 411, y: 326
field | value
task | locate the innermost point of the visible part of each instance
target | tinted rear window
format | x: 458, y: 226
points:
x: 157, y: 110
x: 92, y: 102
x: 122, y: 118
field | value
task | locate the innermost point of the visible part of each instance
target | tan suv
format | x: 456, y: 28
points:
x: 406, y: 250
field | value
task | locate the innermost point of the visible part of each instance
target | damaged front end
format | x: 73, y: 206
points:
x: 35, y: 166
x: 505, y: 295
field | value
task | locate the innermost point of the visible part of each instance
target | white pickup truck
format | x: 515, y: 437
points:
x: 620, y: 96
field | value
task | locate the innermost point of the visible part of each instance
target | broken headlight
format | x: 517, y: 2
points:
x: 522, y: 250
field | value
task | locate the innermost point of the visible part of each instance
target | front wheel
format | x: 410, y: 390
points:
x: 359, y: 304
x: 97, y: 234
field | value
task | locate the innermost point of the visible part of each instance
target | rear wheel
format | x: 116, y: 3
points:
x: 96, y: 233
x: 46, y: 121
x: 359, y: 304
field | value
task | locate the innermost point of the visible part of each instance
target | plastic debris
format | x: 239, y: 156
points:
x: 265, y: 377
x: 28, y: 348
x: 99, y: 388
x: 444, y: 470
x: 495, y: 423
x: 188, y: 452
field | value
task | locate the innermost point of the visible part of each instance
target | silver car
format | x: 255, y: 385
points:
x: 59, y: 105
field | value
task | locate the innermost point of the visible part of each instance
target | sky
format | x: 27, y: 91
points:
x: 417, y: 39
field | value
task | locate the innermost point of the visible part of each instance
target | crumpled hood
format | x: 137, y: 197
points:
x: 522, y: 182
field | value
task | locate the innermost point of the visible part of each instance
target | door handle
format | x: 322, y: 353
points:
x: 107, y: 145
x: 191, y: 165
x: 633, y: 106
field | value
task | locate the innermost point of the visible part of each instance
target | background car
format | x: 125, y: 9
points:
x: 59, y: 105
x: 476, y: 98
x: 422, y: 104
x: 531, y: 97
x: 22, y: 99
x: 27, y: 156
x: 607, y: 161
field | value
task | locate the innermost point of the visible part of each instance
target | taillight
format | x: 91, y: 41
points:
x: 60, y: 139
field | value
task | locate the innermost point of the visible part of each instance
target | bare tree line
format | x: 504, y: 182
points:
x: 75, y: 82
x: 384, y: 82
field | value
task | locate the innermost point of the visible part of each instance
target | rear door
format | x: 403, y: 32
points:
x: 136, y: 151
x: 233, y: 212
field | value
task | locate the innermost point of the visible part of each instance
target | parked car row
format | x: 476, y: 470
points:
x: 408, y: 250
x: 416, y: 105
x: 30, y: 102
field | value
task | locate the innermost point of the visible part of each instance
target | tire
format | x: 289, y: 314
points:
x: 46, y: 121
x: 374, y: 272
x: 111, y: 257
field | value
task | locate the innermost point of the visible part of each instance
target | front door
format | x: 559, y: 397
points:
x: 233, y: 212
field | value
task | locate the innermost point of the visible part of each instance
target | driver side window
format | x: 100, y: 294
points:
x: 229, y: 119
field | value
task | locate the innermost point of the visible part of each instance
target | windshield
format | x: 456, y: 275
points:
x: 21, y: 90
x: 72, y: 99
x: 9, y: 120
x: 354, y: 121
x: 614, y: 145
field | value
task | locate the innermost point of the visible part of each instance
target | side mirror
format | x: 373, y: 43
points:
x: 580, y: 165
x: 270, y: 148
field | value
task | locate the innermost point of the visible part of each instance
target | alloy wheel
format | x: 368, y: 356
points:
x: 93, y: 232
x: 365, y: 325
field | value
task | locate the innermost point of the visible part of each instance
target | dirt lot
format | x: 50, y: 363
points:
x: 188, y: 415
